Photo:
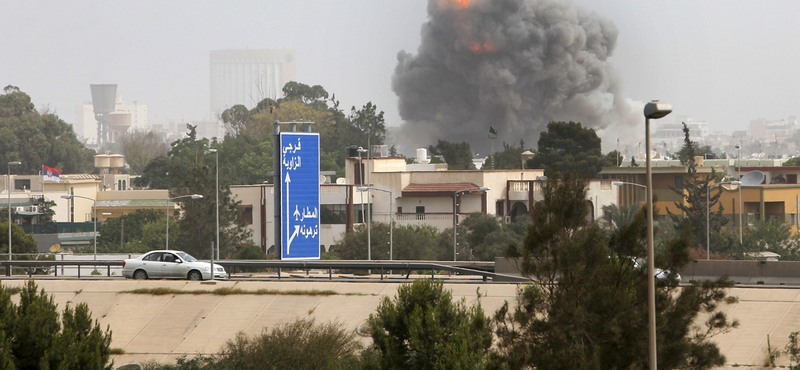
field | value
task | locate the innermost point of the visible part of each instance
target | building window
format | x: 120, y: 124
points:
x: 605, y: 185
x: 358, y: 213
x: 679, y: 182
x: 333, y: 214
x: 499, y: 208
x: 420, y: 209
x: 22, y: 184
x: 399, y: 209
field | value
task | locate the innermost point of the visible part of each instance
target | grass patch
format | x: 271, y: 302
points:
x: 235, y: 291
x: 116, y: 351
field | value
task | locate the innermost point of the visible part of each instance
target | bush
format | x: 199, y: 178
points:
x: 422, y: 328
x: 32, y: 337
x: 298, y: 345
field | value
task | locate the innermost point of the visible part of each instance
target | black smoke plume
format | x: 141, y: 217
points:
x: 512, y: 64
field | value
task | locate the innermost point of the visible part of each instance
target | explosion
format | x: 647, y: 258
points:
x: 512, y: 64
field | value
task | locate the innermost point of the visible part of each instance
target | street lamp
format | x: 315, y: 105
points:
x: 94, y: 207
x: 8, y: 189
x: 708, y: 219
x: 217, y: 202
x: 193, y: 196
x: 652, y: 110
x: 391, y: 219
x: 455, y: 216
x: 620, y: 183
x: 739, y: 176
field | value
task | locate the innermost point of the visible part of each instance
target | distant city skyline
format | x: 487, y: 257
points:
x: 723, y: 62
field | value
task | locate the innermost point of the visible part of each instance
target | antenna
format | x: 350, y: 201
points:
x: 753, y: 178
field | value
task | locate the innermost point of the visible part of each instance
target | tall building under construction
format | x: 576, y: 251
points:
x: 247, y: 76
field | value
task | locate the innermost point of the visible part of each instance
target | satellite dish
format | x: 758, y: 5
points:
x: 55, y: 248
x: 753, y: 178
x: 321, y: 179
x: 341, y: 181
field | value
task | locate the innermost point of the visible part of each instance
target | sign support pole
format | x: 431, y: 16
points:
x: 276, y: 189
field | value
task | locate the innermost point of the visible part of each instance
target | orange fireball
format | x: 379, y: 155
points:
x: 461, y: 3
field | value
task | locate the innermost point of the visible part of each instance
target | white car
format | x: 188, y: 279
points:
x: 165, y: 264
x: 660, y: 274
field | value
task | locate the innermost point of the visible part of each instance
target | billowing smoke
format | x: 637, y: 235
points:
x: 512, y: 64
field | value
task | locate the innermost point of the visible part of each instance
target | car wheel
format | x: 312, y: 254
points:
x: 140, y: 275
x: 195, y: 275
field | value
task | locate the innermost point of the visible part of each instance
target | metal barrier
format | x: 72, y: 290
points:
x: 31, y: 265
x: 483, y: 269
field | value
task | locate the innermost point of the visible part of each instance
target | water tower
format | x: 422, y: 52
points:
x: 103, y: 98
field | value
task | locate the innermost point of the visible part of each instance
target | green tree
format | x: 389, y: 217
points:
x: 422, y: 328
x: 615, y: 216
x: 569, y: 147
x: 155, y: 174
x: 249, y: 137
x: 487, y: 238
x: 315, y: 96
x: 510, y: 158
x: 192, y: 172
x: 792, y: 162
x: 38, y: 139
x: 20, y: 241
x: 691, y: 149
x: 693, y: 204
x: 370, y: 123
x: 34, y: 338
x: 458, y: 156
x: 140, y: 147
x: 588, y: 307
x: 236, y: 119
x: 410, y: 242
x: 125, y: 234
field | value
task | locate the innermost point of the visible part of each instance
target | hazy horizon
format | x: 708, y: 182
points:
x: 724, y: 62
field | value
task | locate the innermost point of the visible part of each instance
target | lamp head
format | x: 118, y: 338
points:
x: 15, y: 163
x: 362, y: 188
x: 66, y: 196
x: 618, y: 183
x: 485, y: 188
x: 197, y: 196
x: 656, y: 109
x: 736, y: 182
x: 211, y: 151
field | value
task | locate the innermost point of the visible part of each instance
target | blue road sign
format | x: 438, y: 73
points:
x: 300, y: 211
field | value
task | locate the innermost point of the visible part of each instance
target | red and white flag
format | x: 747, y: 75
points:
x: 51, y: 174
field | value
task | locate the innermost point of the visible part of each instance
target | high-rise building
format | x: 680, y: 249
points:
x: 248, y: 76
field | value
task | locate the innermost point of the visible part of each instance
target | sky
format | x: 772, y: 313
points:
x: 725, y: 62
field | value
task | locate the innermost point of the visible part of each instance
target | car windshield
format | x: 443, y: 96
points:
x: 186, y: 257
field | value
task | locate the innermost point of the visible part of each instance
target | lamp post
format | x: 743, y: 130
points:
x: 217, y: 201
x: 8, y: 189
x: 708, y: 218
x: 193, y: 196
x: 652, y: 110
x: 455, y: 217
x: 391, y: 218
x: 620, y: 183
x: 365, y: 216
x: 739, y: 176
x: 94, y: 207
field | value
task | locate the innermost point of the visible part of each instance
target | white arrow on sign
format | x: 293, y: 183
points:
x: 296, y: 227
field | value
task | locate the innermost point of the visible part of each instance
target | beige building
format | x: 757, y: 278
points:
x: 399, y: 192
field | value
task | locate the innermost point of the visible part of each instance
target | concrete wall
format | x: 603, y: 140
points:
x: 165, y: 327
